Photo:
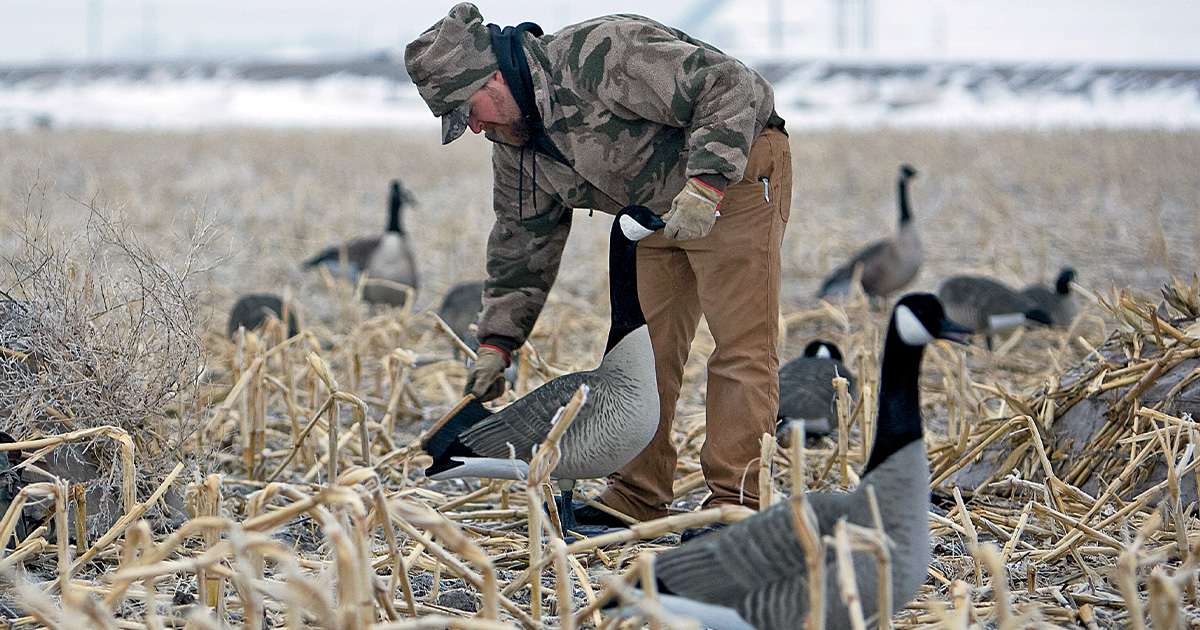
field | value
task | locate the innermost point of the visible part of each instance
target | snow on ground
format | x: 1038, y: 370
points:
x: 809, y: 94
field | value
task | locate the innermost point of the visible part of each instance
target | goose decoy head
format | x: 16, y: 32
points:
x: 821, y: 349
x: 919, y: 319
x: 638, y: 222
x: 396, y: 200
x: 400, y: 195
x: 907, y: 171
x: 1065, y: 278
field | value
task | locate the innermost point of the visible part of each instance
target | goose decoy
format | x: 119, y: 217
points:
x: 988, y: 306
x: 386, y: 258
x: 254, y: 309
x: 461, y: 307
x: 806, y: 391
x: 1058, y: 302
x: 888, y: 265
x: 753, y: 572
x: 613, y: 426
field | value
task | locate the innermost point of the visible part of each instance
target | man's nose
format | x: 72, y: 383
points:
x: 474, y: 123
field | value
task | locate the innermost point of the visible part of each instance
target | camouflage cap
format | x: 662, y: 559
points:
x: 450, y: 62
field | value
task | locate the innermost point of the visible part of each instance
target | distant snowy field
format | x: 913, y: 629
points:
x: 810, y: 94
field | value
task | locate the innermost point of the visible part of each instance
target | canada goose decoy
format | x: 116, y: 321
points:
x: 461, y: 307
x: 806, y: 391
x: 1058, y: 302
x: 254, y: 309
x: 888, y: 265
x: 386, y: 258
x: 613, y: 426
x: 753, y: 571
x: 988, y: 306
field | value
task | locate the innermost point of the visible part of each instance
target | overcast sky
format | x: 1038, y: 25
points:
x: 1160, y: 31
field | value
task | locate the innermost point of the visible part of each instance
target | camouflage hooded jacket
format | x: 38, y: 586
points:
x: 636, y: 108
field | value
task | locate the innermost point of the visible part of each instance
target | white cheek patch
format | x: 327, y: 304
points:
x: 910, y: 329
x: 823, y: 352
x: 633, y: 230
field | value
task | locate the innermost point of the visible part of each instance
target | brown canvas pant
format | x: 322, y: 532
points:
x: 731, y: 277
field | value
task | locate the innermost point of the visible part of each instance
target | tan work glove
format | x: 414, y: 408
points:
x: 484, y: 376
x: 693, y: 211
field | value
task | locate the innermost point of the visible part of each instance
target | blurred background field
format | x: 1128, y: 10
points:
x: 244, y: 207
x: 1120, y: 205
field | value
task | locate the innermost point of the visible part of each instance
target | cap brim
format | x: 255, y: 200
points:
x: 454, y: 122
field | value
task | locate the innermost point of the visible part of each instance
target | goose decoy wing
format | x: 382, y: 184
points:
x: 839, y: 280
x: 358, y: 253
x: 526, y: 422
x: 726, y: 566
x: 757, y: 566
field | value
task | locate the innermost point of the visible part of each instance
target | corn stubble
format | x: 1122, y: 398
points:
x: 299, y: 462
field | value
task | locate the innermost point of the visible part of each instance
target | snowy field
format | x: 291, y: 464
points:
x: 375, y: 92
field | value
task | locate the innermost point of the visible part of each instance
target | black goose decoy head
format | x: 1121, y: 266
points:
x: 919, y: 319
x: 821, y: 349
x: 1065, y: 277
x: 638, y: 221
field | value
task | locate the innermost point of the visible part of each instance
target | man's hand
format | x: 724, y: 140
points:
x: 484, y: 377
x: 693, y: 211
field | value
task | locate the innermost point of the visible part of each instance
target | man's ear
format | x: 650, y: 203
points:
x: 498, y: 78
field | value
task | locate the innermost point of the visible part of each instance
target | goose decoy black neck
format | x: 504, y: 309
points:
x: 906, y: 173
x: 396, y: 201
x: 917, y: 320
x: 633, y: 224
x: 1065, y: 277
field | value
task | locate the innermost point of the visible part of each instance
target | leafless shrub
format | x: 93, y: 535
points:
x: 99, y: 329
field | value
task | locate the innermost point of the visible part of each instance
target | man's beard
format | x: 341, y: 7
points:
x: 518, y: 134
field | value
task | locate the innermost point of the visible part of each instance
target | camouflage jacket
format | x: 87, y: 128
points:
x: 636, y: 108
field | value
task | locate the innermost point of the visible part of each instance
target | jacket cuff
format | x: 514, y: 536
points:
x: 713, y: 181
x: 505, y: 345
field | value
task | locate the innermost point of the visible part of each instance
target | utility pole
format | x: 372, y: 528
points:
x: 853, y: 25
x: 95, y: 9
x: 149, y: 30
x: 775, y: 26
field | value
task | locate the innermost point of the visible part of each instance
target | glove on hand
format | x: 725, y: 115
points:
x: 693, y: 211
x: 484, y: 377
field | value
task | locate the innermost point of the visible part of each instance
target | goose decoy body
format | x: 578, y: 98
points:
x: 1057, y: 302
x: 613, y: 426
x: 461, y: 307
x: 753, y: 572
x: 806, y: 391
x: 387, y: 257
x: 888, y: 265
x: 988, y: 306
x: 254, y: 309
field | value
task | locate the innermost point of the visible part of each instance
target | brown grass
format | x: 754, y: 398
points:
x: 273, y: 542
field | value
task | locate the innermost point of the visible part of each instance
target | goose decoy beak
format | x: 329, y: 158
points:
x: 951, y: 331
